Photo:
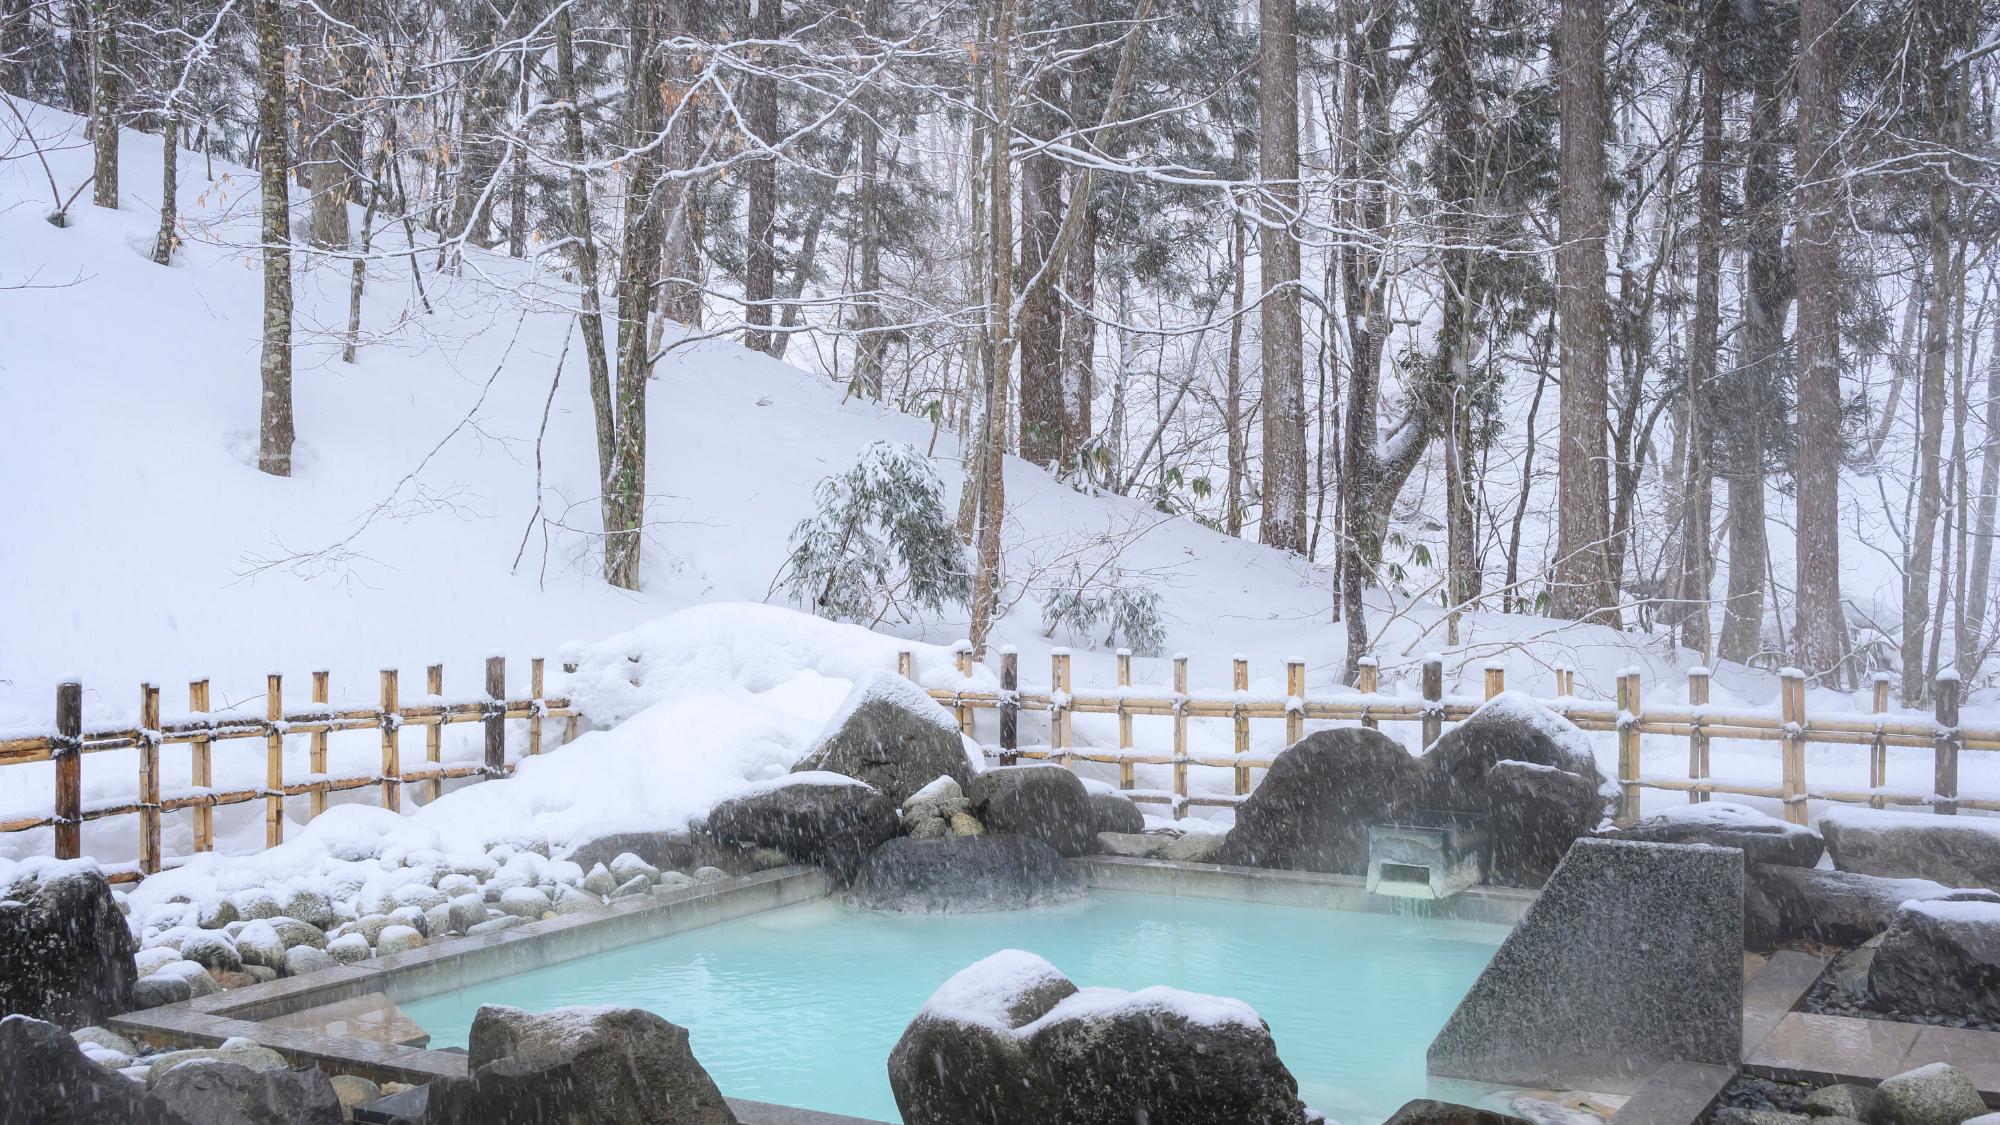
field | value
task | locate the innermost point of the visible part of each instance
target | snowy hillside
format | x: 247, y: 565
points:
x: 139, y: 542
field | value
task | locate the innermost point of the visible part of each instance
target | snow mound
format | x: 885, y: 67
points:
x: 1965, y: 821
x: 1729, y: 814
x: 984, y: 992
x: 1522, y: 708
x: 1157, y: 1000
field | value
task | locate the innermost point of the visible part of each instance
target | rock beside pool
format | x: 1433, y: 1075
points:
x: 1046, y: 802
x: 1785, y: 904
x: 963, y: 874
x: 1114, y: 812
x: 824, y: 818
x: 1425, y: 1111
x: 222, y: 1093
x: 1531, y: 771
x: 1763, y: 838
x: 607, y: 1065
x: 48, y: 1080
x: 1011, y: 1040
x: 670, y: 851
x: 1312, y: 810
x: 1939, y: 958
x: 69, y: 953
x: 891, y: 734
x: 1958, y: 851
x: 1938, y: 1094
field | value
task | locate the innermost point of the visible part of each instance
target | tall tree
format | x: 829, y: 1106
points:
x: 275, y: 431
x: 760, y: 182
x: 1041, y: 324
x: 1697, y: 566
x: 1819, y: 637
x: 104, y: 110
x: 1581, y: 583
x: 1281, y: 340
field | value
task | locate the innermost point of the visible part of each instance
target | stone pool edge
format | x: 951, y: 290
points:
x: 1501, y: 906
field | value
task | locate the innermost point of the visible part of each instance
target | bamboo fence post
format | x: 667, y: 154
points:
x: 1565, y: 681
x: 1010, y: 705
x: 1124, y: 720
x: 1367, y: 681
x: 496, y: 717
x: 1061, y: 732
x: 1496, y: 680
x: 1629, y: 708
x: 1792, y: 716
x: 535, y: 705
x: 201, y: 771
x: 1433, y: 686
x: 961, y: 655
x: 321, y: 786
x: 434, y: 733
x: 392, y: 743
x: 149, y: 779
x: 1180, y: 735
x: 1295, y: 701
x: 1697, y: 738
x: 1946, y: 742
x: 1239, y: 681
x: 906, y: 664
x: 1878, y: 750
x: 570, y: 720
x: 67, y: 750
x: 274, y: 761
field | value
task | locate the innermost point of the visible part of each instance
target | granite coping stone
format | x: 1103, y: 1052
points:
x: 412, y: 1103
x: 1280, y: 887
x: 1774, y: 991
x: 1678, y: 1093
x: 1812, y: 1047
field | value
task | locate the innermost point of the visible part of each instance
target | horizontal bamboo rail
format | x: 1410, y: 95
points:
x: 68, y: 743
x: 1696, y: 721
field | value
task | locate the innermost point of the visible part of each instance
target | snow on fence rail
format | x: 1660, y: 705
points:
x: 1695, y: 721
x: 67, y: 742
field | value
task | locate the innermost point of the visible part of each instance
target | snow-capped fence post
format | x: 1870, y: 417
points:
x: 1124, y: 661
x: 906, y: 665
x: 201, y: 770
x: 1697, y: 738
x: 1060, y: 730
x: 321, y: 789
x: 1010, y: 705
x: 1792, y: 763
x: 1565, y: 681
x: 1628, y: 745
x: 1496, y: 679
x: 1368, y: 681
x: 1878, y: 750
x: 392, y: 743
x: 149, y: 779
x: 536, y: 705
x: 1946, y: 742
x: 1433, y: 687
x: 434, y: 733
x: 961, y: 658
x: 496, y: 716
x: 1295, y: 701
x: 1180, y: 734
x: 1239, y: 682
x: 67, y: 751
x: 274, y: 760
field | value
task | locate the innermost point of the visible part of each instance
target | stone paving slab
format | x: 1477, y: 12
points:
x: 1676, y: 1094
x: 373, y: 1016
x: 1771, y: 995
x: 1809, y: 1047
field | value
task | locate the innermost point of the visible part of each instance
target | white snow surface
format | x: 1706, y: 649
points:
x: 1853, y: 817
x: 1159, y: 999
x: 1729, y: 814
x: 983, y: 992
x: 1946, y: 910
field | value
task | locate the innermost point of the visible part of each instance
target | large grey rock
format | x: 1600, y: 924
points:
x: 1784, y: 904
x: 1424, y: 1111
x: 45, y: 1079
x: 1632, y: 956
x: 1312, y: 810
x: 963, y: 874
x: 1011, y: 1041
x: 1938, y: 1094
x: 1958, y: 851
x: 237, y: 1052
x: 222, y: 1093
x: 68, y: 954
x: 891, y: 734
x: 1939, y: 958
x: 1116, y: 813
x: 154, y: 991
x: 605, y: 1066
x: 668, y: 851
x: 1531, y: 772
x: 1044, y: 801
x: 1761, y: 837
x: 822, y: 818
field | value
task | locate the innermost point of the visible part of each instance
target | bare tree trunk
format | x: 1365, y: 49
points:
x: 1697, y: 565
x: 1041, y: 312
x: 999, y: 298
x: 1980, y: 582
x: 1232, y: 403
x: 1819, y: 638
x: 517, y: 179
x: 14, y: 16
x: 1453, y: 91
x: 1930, y: 439
x: 170, y: 144
x: 760, y: 182
x: 1282, y: 521
x: 1079, y: 338
x: 869, y: 344
x: 333, y: 156
x: 359, y: 280
x: 104, y: 109
x: 589, y: 316
x: 1580, y: 586
x: 682, y: 300
x: 274, y: 427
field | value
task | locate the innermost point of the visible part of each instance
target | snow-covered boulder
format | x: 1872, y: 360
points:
x: 48, y: 1080
x: 1725, y: 824
x: 963, y: 874
x: 825, y: 818
x: 1010, y: 1039
x: 228, y: 1093
x: 1112, y: 812
x: 68, y: 954
x: 1941, y: 959
x: 1312, y: 810
x: 1958, y: 851
x: 1043, y: 801
x: 891, y: 734
x: 616, y: 1066
x: 1531, y: 771
x: 1782, y: 904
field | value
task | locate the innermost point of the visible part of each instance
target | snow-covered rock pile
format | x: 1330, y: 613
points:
x: 67, y: 952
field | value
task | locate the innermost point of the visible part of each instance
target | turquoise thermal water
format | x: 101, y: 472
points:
x: 801, y: 1005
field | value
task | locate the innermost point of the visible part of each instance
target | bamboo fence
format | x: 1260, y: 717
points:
x: 1695, y: 721
x: 69, y: 743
